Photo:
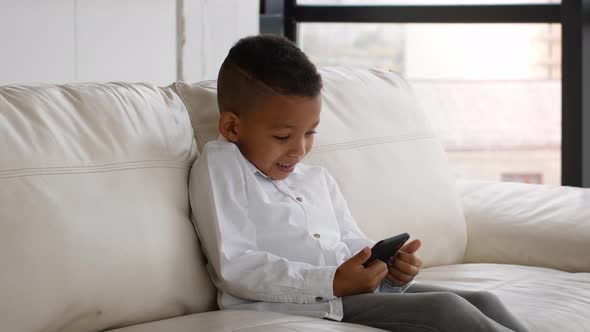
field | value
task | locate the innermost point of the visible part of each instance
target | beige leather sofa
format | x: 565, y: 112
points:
x: 95, y: 229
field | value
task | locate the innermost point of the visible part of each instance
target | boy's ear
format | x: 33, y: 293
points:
x: 229, y: 126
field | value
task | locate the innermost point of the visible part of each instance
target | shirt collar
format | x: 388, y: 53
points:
x: 253, y: 168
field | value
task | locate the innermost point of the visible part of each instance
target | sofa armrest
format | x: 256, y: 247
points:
x: 537, y: 225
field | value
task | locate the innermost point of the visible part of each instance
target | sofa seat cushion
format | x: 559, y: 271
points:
x: 243, y: 321
x: 544, y: 299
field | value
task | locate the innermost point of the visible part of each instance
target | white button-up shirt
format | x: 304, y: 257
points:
x: 272, y: 245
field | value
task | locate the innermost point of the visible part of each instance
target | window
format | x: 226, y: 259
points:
x: 492, y: 91
x: 532, y: 35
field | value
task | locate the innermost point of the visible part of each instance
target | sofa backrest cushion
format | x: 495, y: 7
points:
x: 379, y: 146
x: 94, y: 215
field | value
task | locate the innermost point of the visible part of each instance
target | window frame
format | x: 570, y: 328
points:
x: 573, y: 15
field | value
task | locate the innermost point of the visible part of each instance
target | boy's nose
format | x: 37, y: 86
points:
x: 297, y: 149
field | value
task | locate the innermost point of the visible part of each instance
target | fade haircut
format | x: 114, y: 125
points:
x: 259, y: 66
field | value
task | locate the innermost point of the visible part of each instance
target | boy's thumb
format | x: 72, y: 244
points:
x: 411, y: 247
x: 363, y: 255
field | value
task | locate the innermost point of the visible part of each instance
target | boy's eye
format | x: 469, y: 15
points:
x: 282, y: 138
x: 310, y: 133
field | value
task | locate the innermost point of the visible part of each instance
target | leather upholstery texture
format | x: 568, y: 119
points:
x: 95, y: 230
x: 545, y: 300
x: 245, y: 321
x: 94, y: 213
x: 527, y: 224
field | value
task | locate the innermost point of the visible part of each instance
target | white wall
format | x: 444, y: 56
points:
x: 63, y: 41
x: 212, y: 28
x: 36, y: 41
x: 130, y: 40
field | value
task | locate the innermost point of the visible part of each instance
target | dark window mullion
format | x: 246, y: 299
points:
x: 575, y: 146
x: 542, y: 13
x: 574, y: 15
x: 290, y: 20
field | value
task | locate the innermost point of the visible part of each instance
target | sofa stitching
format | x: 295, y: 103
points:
x: 102, y: 165
x: 290, y: 320
x: 372, y: 141
x: 92, y: 169
x: 503, y: 284
x: 400, y: 324
x: 83, y: 172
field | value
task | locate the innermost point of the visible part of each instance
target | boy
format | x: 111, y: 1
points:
x: 278, y: 234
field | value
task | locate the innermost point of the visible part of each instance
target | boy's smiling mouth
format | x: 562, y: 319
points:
x: 287, y: 168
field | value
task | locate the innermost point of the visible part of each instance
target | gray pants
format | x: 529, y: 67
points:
x: 429, y: 308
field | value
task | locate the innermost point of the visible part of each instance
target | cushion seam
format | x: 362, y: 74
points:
x: 372, y: 141
x: 194, y: 122
x: 291, y: 320
x: 92, y: 169
x: 505, y: 283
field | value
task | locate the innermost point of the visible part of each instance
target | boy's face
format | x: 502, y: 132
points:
x: 277, y: 134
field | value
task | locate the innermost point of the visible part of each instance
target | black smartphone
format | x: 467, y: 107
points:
x: 385, y: 249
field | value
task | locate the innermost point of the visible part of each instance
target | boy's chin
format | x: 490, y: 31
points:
x: 278, y: 176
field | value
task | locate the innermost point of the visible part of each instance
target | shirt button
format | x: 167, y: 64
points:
x: 319, y: 299
x: 299, y: 199
x: 316, y: 235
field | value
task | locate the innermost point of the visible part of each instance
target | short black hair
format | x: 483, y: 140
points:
x: 258, y: 63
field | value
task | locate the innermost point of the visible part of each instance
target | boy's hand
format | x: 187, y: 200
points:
x: 353, y: 278
x: 405, y: 266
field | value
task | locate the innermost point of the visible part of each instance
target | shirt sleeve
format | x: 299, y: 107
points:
x: 350, y: 233
x: 219, y: 199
